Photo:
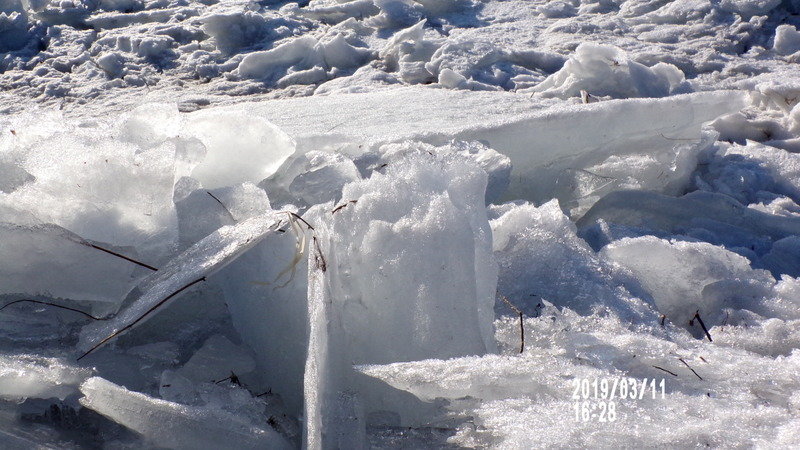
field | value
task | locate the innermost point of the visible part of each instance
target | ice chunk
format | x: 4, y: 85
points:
x: 306, y: 54
x: 403, y: 273
x: 727, y: 220
x: 190, y: 427
x: 47, y: 260
x: 23, y: 376
x: 203, y: 211
x: 680, y: 275
x: 240, y: 147
x: 100, y: 188
x: 541, y: 257
x: 605, y: 70
x: 538, y: 386
x: 217, y: 359
x: 150, y: 124
x: 407, y: 52
x: 15, y: 31
x: 266, y: 293
x: 748, y: 173
x: 749, y: 8
x: 311, y: 178
x: 496, y: 165
x: 189, y: 268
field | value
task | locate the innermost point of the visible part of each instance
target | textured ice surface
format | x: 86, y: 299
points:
x: 190, y: 267
x: 506, y: 394
x: 404, y: 230
x: 47, y: 260
x: 633, y: 158
x: 24, y: 375
x: 606, y: 71
x: 174, y: 425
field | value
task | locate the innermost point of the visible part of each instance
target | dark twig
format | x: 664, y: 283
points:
x: 97, y: 247
x: 521, y: 322
x: 265, y: 393
x: 676, y: 139
x: 665, y: 370
x: 302, y: 220
x: 230, y: 214
x: 130, y: 325
x: 690, y: 368
x: 702, y: 325
x: 53, y: 305
x: 234, y: 379
x: 335, y: 210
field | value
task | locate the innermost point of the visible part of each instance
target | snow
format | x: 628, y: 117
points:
x: 398, y: 223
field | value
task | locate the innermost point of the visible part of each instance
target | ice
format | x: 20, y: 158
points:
x: 681, y: 276
x: 203, y: 211
x: 624, y: 173
x: 25, y: 375
x: 13, y: 31
x: 188, y: 426
x: 541, y: 258
x: 606, y: 71
x: 304, y: 60
x: 754, y: 173
x: 415, y: 313
x: 217, y: 359
x: 496, y: 165
x: 787, y: 40
x: 266, y: 290
x: 532, y: 390
x: 49, y: 261
x: 95, y: 186
x: 531, y: 135
x: 190, y: 267
x: 239, y: 147
x: 311, y: 178
x: 708, y: 216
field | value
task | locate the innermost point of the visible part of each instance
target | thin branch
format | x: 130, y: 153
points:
x: 665, y: 370
x: 690, y: 368
x: 230, y: 214
x: 234, y: 379
x: 675, y: 139
x: 53, y: 305
x: 702, y: 325
x: 130, y: 325
x: 521, y: 322
x: 97, y: 247
x: 335, y: 210
x: 301, y: 219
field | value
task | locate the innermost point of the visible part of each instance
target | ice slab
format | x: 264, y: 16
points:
x: 541, y: 140
x: 403, y: 271
x: 189, y: 427
x: 47, y: 260
x: 190, y: 267
x: 23, y: 376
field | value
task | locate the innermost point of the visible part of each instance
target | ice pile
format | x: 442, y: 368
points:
x: 463, y: 207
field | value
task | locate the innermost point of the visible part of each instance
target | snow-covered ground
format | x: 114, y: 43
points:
x: 399, y: 223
